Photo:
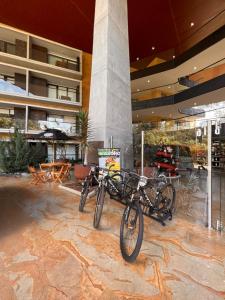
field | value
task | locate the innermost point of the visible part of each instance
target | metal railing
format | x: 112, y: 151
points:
x: 64, y: 62
x: 209, y: 72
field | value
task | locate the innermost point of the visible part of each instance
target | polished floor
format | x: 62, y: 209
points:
x: 48, y: 250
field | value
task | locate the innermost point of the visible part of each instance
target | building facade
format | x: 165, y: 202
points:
x: 40, y: 87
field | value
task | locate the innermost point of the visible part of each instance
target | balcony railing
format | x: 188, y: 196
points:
x: 212, y: 71
x: 16, y: 84
x: 10, y: 123
x: 19, y: 48
x: 41, y: 54
x: 64, y: 62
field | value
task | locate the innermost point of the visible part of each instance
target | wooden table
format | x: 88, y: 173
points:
x: 51, y: 168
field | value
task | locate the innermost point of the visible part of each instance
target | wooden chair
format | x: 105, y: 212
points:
x: 67, y: 171
x: 38, y: 176
x: 45, y: 167
x: 59, y: 176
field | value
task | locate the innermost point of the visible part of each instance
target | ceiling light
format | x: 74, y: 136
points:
x: 148, y: 81
x: 192, y: 24
x: 169, y: 87
x: 137, y: 58
x: 153, y: 47
x: 138, y: 90
x: 195, y: 68
x: 152, y: 112
x: 174, y: 56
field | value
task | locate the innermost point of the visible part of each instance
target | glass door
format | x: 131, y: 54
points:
x: 218, y: 173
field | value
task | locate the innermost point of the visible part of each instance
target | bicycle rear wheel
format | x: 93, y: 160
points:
x: 167, y: 198
x: 114, y: 184
x: 131, y: 231
x: 84, y: 193
x: 99, y: 206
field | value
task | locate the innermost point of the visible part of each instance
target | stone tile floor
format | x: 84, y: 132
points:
x: 48, y: 250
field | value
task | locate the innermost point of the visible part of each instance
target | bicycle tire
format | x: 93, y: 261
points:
x: 99, y: 206
x: 131, y: 257
x: 111, y: 189
x: 168, y: 203
x: 84, y: 194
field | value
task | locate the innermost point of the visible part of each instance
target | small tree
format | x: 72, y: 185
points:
x: 16, y: 154
x: 84, y: 132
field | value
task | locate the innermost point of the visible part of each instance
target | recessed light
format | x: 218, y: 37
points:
x: 195, y: 68
x: 138, y: 90
x: 153, y: 47
x: 137, y: 58
x: 174, y: 56
x: 148, y: 81
x: 192, y: 24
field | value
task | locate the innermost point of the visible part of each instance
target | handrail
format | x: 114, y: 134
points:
x: 177, y: 82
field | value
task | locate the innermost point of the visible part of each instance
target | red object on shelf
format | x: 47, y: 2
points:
x: 167, y: 166
x: 164, y: 154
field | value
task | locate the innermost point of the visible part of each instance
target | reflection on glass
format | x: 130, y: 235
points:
x: 179, y: 150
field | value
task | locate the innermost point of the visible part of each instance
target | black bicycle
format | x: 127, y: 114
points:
x: 90, y: 181
x: 160, y: 202
x: 110, y: 183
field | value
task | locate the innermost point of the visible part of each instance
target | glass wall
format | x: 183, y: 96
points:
x: 63, y: 152
x: 190, y: 152
x: 178, y: 150
x: 218, y: 173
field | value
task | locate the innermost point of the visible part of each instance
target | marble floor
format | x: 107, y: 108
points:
x: 48, y: 250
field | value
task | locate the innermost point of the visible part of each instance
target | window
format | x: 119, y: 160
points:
x: 55, y: 118
x: 8, y: 78
x: 64, y: 62
x: 63, y: 93
x: 7, y: 47
x: 52, y: 91
x: 72, y: 94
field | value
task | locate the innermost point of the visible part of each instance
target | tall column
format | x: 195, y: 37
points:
x: 110, y: 111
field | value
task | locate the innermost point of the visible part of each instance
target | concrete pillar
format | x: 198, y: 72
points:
x: 110, y: 95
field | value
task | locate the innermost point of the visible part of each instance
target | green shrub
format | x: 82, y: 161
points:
x: 16, y: 154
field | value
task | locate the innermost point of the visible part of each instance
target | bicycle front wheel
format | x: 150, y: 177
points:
x: 84, y: 194
x: 131, y: 231
x: 99, y: 206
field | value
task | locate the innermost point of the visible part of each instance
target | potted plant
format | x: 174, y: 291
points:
x: 84, y: 131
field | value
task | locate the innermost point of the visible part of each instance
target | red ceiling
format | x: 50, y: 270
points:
x: 160, y: 23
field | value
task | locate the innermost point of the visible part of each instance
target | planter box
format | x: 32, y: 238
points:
x: 81, y: 171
